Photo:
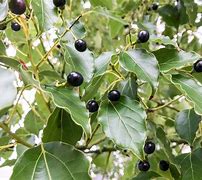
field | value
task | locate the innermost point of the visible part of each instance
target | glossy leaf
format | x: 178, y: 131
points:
x: 60, y: 127
x: 124, y: 123
x: 81, y: 62
x: 173, y: 59
x: 69, y: 100
x: 7, y: 78
x: 143, y: 64
x: 51, y: 161
x: 187, y: 123
x: 191, y: 165
x: 191, y: 88
x: 129, y: 88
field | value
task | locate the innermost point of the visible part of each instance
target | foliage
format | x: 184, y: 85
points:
x: 44, y: 120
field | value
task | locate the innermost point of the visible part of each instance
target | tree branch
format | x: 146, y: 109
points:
x: 14, y: 136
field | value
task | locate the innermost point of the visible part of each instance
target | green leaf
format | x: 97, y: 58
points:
x: 46, y: 14
x: 115, y: 28
x: 102, y: 62
x: 174, y: 15
x: 165, y: 145
x: 7, y: 78
x: 170, y: 15
x: 92, y: 89
x: 103, y: 3
x: 51, y: 161
x: 28, y: 78
x: 108, y: 14
x: 60, y: 127
x: 129, y: 87
x: 191, y: 165
x: 172, y: 58
x: 3, y: 9
x: 69, y: 100
x: 143, y: 64
x: 10, y: 62
x: 124, y: 123
x: 78, y: 30
x: 191, y: 88
x: 191, y: 10
x: 187, y: 123
x: 33, y: 123
x: 146, y: 176
x: 81, y: 62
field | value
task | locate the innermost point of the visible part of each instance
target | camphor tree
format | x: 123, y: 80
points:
x: 109, y: 89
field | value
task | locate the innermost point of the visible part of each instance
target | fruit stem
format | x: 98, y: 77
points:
x: 14, y: 136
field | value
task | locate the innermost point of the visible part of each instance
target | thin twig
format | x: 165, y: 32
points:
x: 14, y: 136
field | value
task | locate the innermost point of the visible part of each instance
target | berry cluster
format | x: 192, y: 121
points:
x: 144, y: 165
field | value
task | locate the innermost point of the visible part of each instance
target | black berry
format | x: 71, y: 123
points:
x: 163, y: 165
x: 92, y: 106
x: 17, y: 6
x: 143, y: 165
x: 143, y: 36
x: 15, y: 26
x: 114, y: 95
x: 75, y: 79
x: 80, y: 45
x: 198, y: 66
x: 155, y: 6
x: 59, y: 3
x: 149, y: 147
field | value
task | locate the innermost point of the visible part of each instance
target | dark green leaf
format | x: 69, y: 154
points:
x: 60, y: 127
x: 33, y: 123
x: 187, y: 123
x: 51, y: 161
x: 191, y: 165
x: 124, y: 123
x: 129, y: 88
x: 173, y: 59
x: 81, y: 62
x: 143, y: 64
x: 146, y: 176
x: 69, y: 100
